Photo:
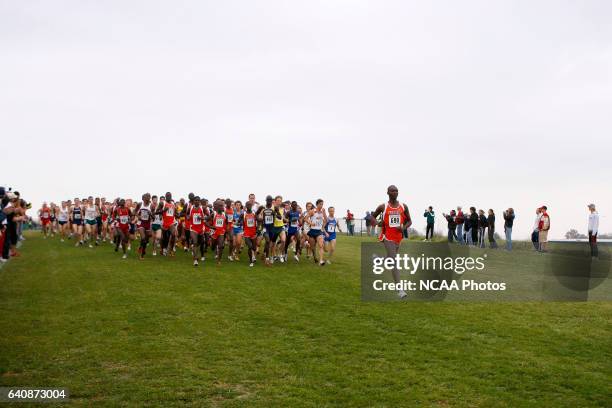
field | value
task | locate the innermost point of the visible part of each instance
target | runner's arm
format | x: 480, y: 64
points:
x: 379, y: 210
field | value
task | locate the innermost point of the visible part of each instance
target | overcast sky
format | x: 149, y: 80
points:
x: 491, y: 104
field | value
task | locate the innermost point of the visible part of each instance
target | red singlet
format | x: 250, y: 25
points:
x: 195, y: 217
x: 393, y: 218
x: 249, y: 225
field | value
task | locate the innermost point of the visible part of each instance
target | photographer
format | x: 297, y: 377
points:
x: 15, y: 213
x: 450, y: 218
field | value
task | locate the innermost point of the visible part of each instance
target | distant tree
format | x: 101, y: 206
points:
x: 605, y: 236
x: 412, y: 232
x: 574, y: 234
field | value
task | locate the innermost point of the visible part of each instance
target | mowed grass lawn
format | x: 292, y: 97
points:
x: 163, y: 333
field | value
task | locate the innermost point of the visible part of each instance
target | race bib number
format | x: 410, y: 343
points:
x: 197, y: 220
x: 250, y: 222
x: 170, y: 212
x: 331, y: 227
x: 230, y: 217
x: 394, y: 220
x: 144, y: 215
x: 318, y: 223
x: 295, y: 223
x: 77, y: 216
x: 268, y: 219
x: 123, y: 219
x: 219, y: 222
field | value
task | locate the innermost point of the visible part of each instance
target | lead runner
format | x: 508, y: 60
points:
x: 396, y: 218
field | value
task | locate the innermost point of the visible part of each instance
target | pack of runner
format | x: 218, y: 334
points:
x: 162, y: 224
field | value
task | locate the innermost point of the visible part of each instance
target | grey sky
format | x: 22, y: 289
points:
x: 492, y: 104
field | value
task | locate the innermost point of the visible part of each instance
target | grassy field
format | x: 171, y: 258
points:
x: 163, y: 333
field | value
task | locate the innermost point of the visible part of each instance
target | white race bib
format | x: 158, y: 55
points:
x: 250, y: 222
x: 331, y: 227
x: 394, y: 220
x: 124, y: 219
x: 218, y: 222
x: 268, y: 219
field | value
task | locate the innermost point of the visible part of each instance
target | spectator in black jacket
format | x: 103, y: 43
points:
x: 482, y: 228
x: 474, y: 225
x: 491, y: 226
x: 452, y: 226
x: 508, y: 222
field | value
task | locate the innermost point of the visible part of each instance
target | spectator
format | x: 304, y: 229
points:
x: 3, y: 202
x: 350, y: 219
x: 368, y: 222
x: 467, y: 229
x: 450, y: 219
x: 482, y: 228
x: 474, y: 225
x: 14, y: 214
x: 543, y: 228
x: 21, y: 222
x: 535, y: 232
x: 431, y: 220
x: 374, y: 223
x: 508, y: 222
x: 459, y: 220
x: 593, y: 227
x: 491, y: 226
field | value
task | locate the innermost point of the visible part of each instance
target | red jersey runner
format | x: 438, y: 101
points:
x: 393, y: 217
x: 249, y: 225
x: 219, y: 224
x: 195, y: 217
x: 168, y: 218
x: 123, y: 219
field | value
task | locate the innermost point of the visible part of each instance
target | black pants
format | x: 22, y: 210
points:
x: 593, y: 244
x: 10, y: 238
x: 430, y: 229
x: 535, y: 238
x: 474, y: 235
x: 492, y: 241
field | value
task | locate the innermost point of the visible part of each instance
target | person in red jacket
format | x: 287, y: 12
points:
x: 350, y: 218
x: 459, y: 220
x: 396, y: 218
x: 543, y: 227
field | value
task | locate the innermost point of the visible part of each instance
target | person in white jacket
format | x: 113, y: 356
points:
x: 593, y: 227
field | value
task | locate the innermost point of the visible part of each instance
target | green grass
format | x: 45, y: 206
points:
x: 163, y: 333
